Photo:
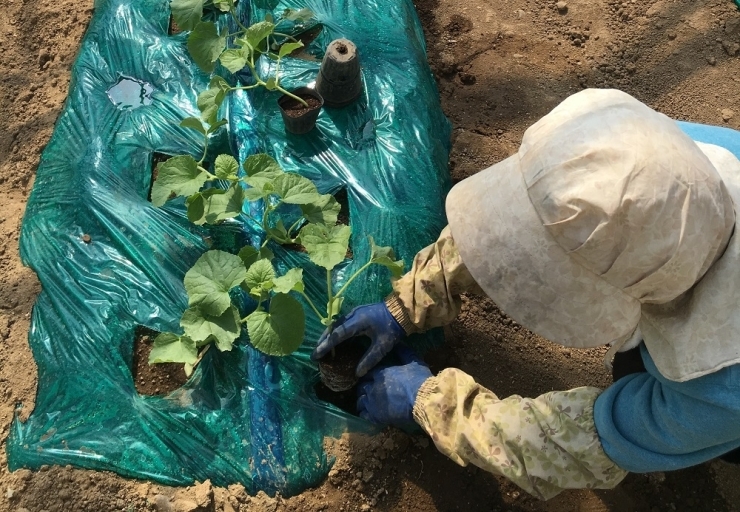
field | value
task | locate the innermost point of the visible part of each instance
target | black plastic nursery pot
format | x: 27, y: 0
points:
x: 340, y: 81
x: 338, y: 368
x: 298, y: 118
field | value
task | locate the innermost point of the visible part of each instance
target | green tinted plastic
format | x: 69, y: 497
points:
x: 243, y: 416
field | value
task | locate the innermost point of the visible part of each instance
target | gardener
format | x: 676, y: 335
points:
x: 609, y: 226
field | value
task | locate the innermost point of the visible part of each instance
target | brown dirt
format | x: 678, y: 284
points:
x: 338, y: 367
x: 500, y: 65
x: 153, y: 379
x: 294, y: 108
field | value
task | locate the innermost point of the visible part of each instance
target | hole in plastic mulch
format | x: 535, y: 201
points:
x: 130, y: 93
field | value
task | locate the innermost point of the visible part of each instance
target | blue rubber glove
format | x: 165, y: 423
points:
x: 373, y: 321
x: 387, y: 395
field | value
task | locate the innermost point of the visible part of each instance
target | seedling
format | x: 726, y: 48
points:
x: 240, y: 49
x: 277, y: 325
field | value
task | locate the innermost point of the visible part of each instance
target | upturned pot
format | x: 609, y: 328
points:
x: 298, y: 118
x: 340, y: 81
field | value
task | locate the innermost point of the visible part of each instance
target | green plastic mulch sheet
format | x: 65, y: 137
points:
x: 243, y: 416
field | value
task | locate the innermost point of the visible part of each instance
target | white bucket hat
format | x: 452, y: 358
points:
x: 607, y: 218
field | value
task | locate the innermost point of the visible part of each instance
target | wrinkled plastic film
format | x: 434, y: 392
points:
x: 243, y: 416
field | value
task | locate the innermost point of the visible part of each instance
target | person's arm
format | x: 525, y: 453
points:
x: 429, y: 294
x: 544, y: 444
x: 425, y: 297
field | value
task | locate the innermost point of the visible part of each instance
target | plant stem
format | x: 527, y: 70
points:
x: 310, y: 303
x: 236, y: 18
x: 329, y: 297
x: 360, y: 271
x: 205, y: 151
x: 286, y: 35
x: 295, y: 224
x: 211, y: 177
x: 303, y: 102
x: 243, y: 87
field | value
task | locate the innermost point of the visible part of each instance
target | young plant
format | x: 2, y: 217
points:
x: 240, y: 49
x: 277, y: 325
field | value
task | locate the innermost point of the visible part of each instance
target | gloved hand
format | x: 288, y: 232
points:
x: 387, y: 395
x: 373, y: 321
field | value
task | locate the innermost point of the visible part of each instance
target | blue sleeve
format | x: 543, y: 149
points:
x: 648, y: 423
x: 717, y: 135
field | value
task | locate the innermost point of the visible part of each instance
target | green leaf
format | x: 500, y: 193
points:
x: 216, y: 126
x: 249, y: 255
x: 385, y: 256
x: 292, y: 281
x: 279, y: 332
x: 295, y: 189
x: 187, y: 13
x: 262, y: 170
x: 266, y: 254
x: 234, y: 59
x: 218, y: 82
x: 258, y: 32
x: 333, y: 309
x: 254, y: 193
x: 205, y: 45
x: 326, y: 246
x: 324, y: 211
x: 209, y: 101
x: 171, y: 348
x: 196, y: 208
x: 224, y: 205
x: 223, y: 5
x: 179, y: 175
x: 209, y: 281
x: 261, y: 163
x: 297, y: 15
x: 226, y: 167
x: 279, y: 233
x: 271, y: 84
x: 199, y: 205
x: 288, y: 48
x: 224, y: 328
x: 194, y: 124
x: 259, y: 277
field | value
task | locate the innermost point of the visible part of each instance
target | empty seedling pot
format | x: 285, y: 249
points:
x: 299, y: 118
x: 340, y: 81
x: 338, y: 367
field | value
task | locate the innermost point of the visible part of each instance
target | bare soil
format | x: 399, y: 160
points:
x: 500, y: 66
x: 153, y: 379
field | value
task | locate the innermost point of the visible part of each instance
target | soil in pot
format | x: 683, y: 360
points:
x: 294, y: 108
x: 338, y: 367
x: 299, y: 118
x: 155, y: 379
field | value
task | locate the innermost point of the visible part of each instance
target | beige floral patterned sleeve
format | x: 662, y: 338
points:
x: 429, y: 294
x: 544, y: 445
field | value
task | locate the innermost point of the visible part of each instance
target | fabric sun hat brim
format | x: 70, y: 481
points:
x: 515, y: 260
x: 698, y: 333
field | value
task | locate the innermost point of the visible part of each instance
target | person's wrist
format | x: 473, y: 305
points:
x: 400, y: 315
